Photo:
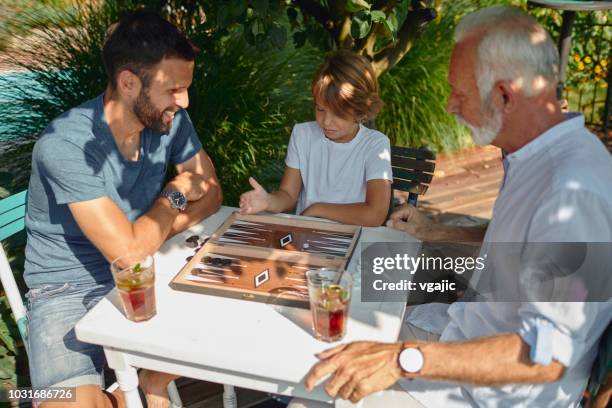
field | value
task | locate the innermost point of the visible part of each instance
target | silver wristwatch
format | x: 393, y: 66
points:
x: 176, y: 198
x: 411, y: 360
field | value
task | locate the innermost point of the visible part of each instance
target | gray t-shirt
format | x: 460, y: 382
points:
x: 76, y: 159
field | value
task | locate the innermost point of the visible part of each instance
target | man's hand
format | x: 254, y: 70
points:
x: 409, y: 219
x: 358, y: 369
x: 193, y: 185
x: 205, y: 196
x: 256, y: 200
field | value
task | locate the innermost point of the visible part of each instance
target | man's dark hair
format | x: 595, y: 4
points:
x: 140, y: 40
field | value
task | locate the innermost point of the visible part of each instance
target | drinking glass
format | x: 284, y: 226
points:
x: 329, y: 291
x: 134, y: 276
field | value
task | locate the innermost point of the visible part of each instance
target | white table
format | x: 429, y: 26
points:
x: 247, y: 344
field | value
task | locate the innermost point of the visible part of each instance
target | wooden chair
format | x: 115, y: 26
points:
x: 12, y: 221
x: 412, y: 171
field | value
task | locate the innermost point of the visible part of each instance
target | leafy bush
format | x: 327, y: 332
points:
x: 589, y: 59
x: 45, y: 11
x: 243, y: 101
x: 244, y: 104
x: 415, y: 91
x: 11, y: 346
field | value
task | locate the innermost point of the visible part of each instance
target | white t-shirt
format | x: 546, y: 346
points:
x: 335, y: 172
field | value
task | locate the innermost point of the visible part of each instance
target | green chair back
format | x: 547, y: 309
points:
x: 412, y: 170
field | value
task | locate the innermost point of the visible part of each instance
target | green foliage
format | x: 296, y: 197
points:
x: 368, y: 28
x: 9, y: 335
x: 244, y: 100
x: 15, y: 173
x: 63, y: 60
x: 45, y: 11
x: 244, y: 104
x: 7, y: 365
x: 5, y: 326
x: 415, y: 91
x: 589, y: 59
x: 260, y: 22
x: 10, y: 339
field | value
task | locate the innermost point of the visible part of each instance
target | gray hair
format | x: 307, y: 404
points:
x: 513, y: 47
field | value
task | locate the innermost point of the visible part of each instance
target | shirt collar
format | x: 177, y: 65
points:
x: 572, y: 122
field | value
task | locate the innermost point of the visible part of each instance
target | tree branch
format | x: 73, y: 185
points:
x: 413, y: 26
x: 366, y: 45
x: 344, y: 38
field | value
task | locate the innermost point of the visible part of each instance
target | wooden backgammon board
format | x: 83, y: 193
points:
x: 264, y: 258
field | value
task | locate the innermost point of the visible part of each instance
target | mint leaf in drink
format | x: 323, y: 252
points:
x: 344, y: 295
x: 137, y: 268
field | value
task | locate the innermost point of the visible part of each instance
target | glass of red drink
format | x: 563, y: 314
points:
x: 329, y: 291
x: 134, y: 277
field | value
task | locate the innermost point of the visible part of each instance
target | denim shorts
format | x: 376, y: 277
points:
x: 57, y: 358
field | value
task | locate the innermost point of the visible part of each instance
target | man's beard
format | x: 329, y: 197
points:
x: 485, y: 134
x: 148, y: 115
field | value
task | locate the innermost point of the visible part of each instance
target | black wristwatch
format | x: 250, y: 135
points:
x: 176, y: 198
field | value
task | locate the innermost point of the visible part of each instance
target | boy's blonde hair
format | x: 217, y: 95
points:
x: 346, y: 83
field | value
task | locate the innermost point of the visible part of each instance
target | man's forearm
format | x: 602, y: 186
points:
x: 197, y: 210
x: 441, y: 232
x: 151, y: 229
x: 488, y: 361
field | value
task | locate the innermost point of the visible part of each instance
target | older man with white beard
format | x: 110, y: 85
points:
x: 557, y: 187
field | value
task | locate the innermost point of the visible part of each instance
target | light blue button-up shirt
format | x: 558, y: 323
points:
x: 557, y: 188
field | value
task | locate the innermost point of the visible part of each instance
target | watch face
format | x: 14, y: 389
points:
x: 411, y: 360
x: 178, y: 199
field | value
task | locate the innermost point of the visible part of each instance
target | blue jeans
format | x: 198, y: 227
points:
x: 56, y: 357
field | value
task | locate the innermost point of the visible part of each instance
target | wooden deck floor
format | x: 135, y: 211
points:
x: 465, y: 184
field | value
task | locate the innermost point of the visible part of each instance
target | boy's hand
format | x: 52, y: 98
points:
x: 254, y: 201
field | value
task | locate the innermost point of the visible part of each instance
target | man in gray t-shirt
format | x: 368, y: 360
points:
x: 97, y: 191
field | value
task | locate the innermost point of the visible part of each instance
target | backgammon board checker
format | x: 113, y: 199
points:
x: 264, y: 258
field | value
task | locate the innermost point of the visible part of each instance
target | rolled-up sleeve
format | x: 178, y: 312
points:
x: 562, y: 331
x: 567, y: 330
x: 543, y: 327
